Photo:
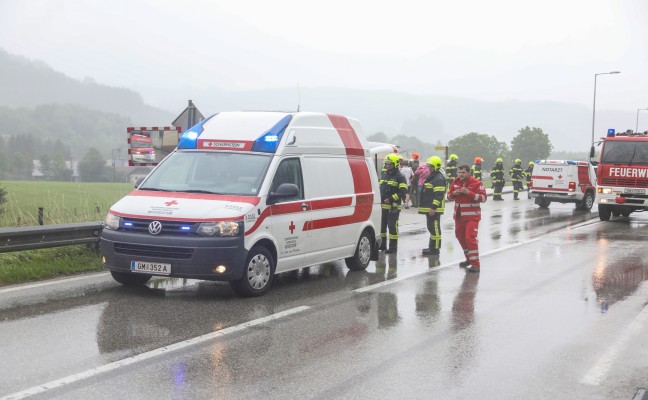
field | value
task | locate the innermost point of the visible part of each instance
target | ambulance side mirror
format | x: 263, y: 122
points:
x: 284, y: 191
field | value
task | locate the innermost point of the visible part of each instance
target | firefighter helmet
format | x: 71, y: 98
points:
x: 434, y: 161
x: 518, y: 161
x: 392, y: 159
x: 531, y: 162
x: 478, y: 160
x: 415, y: 156
x: 499, y: 160
x: 453, y: 157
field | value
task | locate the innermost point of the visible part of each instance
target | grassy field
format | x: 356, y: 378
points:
x: 62, y: 202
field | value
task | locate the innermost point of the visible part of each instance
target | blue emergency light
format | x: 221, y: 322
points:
x: 269, y: 141
x: 611, y: 132
x: 189, y: 139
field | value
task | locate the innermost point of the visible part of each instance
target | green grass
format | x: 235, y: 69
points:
x: 32, y: 265
x: 62, y: 202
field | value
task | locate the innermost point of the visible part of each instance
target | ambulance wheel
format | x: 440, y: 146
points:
x: 258, y: 274
x: 362, y: 255
x: 604, y: 212
x: 587, y: 202
x: 129, y: 278
x: 543, y: 203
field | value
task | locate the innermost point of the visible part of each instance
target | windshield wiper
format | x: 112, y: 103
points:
x: 634, y: 150
x: 198, y: 191
x: 155, y: 189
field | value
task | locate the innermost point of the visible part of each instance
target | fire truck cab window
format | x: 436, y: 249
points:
x: 624, y: 152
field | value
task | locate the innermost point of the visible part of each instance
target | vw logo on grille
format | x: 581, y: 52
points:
x: 155, y: 227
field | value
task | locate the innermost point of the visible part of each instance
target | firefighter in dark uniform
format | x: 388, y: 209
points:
x: 517, y: 174
x: 527, y: 176
x: 451, y: 169
x: 393, y: 189
x: 432, y: 204
x: 497, y: 177
x: 476, y: 169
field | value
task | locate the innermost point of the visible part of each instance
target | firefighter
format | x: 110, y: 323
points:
x: 497, y: 178
x: 451, y: 168
x: 432, y: 204
x: 476, y: 169
x: 517, y: 173
x: 527, y: 176
x: 392, y: 193
x: 468, y: 193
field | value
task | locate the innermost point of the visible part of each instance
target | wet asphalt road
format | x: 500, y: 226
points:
x: 558, y: 312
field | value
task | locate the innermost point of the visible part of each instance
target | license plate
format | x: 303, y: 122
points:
x: 634, y: 191
x: 554, y: 195
x: 151, y: 267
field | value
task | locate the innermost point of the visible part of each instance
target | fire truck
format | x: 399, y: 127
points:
x: 622, y: 176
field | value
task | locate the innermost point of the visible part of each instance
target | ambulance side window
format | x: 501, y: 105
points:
x: 289, y: 171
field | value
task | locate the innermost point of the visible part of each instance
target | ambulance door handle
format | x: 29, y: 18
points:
x: 304, y: 206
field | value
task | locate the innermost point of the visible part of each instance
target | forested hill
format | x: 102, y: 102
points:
x: 26, y: 83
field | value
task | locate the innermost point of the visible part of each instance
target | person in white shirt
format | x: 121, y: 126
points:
x: 407, y: 173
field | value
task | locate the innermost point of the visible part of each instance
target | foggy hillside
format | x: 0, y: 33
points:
x: 26, y: 83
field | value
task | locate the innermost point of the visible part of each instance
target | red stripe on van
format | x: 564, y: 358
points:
x: 361, y: 212
x: 541, y: 177
x: 171, y: 218
x: 347, y: 134
x: 196, y: 196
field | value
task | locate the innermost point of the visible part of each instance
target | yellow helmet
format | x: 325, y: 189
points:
x: 499, y: 160
x: 434, y: 161
x: 452, y: 157
x: 517, y: 161
x: 531, y: 162
x: 392, y: 158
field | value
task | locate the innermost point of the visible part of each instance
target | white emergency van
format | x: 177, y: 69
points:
x: 563, y: 181
x: 247, y: 195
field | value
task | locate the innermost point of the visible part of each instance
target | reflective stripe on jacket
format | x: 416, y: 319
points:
x: 467, y: 206
x: 433, y: 193
x: 393, y: 187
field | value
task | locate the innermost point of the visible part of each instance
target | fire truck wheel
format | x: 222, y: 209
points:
x: 604, y: 212
x: 587, y: 202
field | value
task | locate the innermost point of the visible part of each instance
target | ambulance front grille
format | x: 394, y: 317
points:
x: 168, y: 227
x: 129, y: 249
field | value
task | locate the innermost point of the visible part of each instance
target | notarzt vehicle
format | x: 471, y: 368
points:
x: 247, y: 195
x: 563, y: 181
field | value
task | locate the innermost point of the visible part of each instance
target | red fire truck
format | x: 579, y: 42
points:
x: 622, y: 176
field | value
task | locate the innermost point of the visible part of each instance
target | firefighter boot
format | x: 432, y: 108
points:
x: 515, y: 196
x: 383, y: 244
x: 393, y: 246
x: 431, y: 250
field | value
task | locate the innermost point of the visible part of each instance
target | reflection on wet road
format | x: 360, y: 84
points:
x: 557, y: 289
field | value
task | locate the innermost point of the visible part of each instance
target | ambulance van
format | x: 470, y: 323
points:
x: 563, y: 181
x: 247, y: 195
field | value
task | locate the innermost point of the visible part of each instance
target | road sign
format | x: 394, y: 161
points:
x: 440, y: 147
x: 188, y: 118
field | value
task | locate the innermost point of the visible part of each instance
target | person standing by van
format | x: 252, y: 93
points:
x: 392, y: 192
x: 407, y: 172
x: 527, y: 175
x: 517, y: 174
x: 468, y: 193
x: 432, y: 204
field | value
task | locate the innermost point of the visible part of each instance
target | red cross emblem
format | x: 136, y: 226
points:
x: 292, y: 227
x: 559, y: 176
x: 170, y: 203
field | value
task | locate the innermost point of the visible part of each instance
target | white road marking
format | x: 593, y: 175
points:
x: 148, y: 355
x: 49, y: 283
x: 600, y: 370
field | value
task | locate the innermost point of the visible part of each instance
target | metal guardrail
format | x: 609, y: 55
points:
x: 40, y: 237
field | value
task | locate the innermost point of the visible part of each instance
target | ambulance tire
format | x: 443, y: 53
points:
x: 604, y: 212
x: 542, y: 203
x: 129, y: 278
x: 587, y: 202
x: 362, y: 256
x: 258, y: 275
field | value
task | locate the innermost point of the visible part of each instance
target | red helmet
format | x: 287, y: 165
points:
x: 478, y: 160
x: 415, y: 156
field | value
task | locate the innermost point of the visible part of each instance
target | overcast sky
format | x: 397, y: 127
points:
x: 486, y: 50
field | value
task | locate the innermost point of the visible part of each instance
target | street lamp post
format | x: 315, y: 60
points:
x: 113, y: 162
x: 594, y: 106
x: 637, y: 124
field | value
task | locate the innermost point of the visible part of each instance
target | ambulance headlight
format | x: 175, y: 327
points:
x: 220, y: 228
x: 112, y: 222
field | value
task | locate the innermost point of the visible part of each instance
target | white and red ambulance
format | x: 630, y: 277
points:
x: 563, y: 181
x: 247, y: 195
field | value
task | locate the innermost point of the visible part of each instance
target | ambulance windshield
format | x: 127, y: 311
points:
x: 625, y: 152
x: 210, y: 172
